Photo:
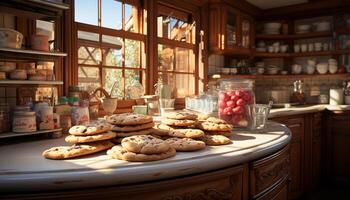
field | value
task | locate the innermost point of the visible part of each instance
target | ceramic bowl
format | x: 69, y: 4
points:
x: 310, y: 69
x: 296, y: 69
x: 272, y: 26
x: 322, y: 68
x: 304, y: 28
x: 284, y: 48
x: 311, y: 62
x: 270, y: 49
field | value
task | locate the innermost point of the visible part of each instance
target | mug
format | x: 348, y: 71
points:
x: 296, y: 48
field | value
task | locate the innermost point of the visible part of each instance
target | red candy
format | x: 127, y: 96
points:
x: 230, y: 93
x: 230, y: 103
x: 234, y: 98
x: 238, y: 110
x: 222, y: 104
x: 228, y: 111
x: 239, y: 93
x: 240, y: 102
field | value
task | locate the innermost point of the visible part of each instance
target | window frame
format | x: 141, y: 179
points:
x: 141, y: 37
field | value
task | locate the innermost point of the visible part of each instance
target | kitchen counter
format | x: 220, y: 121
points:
x: 22, y: 167
x: 296, y: 110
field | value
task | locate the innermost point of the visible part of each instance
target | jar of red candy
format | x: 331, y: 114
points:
x: 236, y: 102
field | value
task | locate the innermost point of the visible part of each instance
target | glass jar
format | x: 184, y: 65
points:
x: 236, y: 102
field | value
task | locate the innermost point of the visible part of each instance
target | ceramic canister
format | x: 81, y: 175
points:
x: 44, y: 116
x: 336, y: 96
x: 80, y: 115
x: 23, y: 122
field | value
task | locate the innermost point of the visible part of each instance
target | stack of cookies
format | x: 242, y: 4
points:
x: 130, y: 124
x: 141, y: 148
x: 216, y: 131
x: 85, y: 139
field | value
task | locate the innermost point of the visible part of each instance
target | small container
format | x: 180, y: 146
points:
x: 261, y: 113
x: 23, y: 122
x: 18, y: 74
x: 39, y: 42
x: 10, y: 38
x: 80, y: 115
x: 44, y: 115
x: 236, y: 102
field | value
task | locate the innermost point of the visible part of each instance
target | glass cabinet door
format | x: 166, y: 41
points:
x: 231, y: 29
x: 246, y: 30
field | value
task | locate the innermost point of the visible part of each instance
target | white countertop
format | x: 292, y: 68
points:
x: 22, y: 167
x: 295, y: 110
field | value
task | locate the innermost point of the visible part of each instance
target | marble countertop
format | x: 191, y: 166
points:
x: 22, y: 168
x: 295, y: 110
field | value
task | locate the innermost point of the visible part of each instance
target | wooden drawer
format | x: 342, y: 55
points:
x: 279, y: 192
x: 267, y: 172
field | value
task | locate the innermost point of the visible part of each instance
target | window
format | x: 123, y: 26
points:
x: 176, y: 31
x: 111, y: 46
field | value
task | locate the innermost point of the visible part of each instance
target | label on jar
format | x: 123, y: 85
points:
x: 24, y: 124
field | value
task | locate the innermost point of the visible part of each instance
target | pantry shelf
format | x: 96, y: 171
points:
x: 29, y: 82
x: 279, y: 76
x: 24, y: 54
x: 12, y: 134
x: 294, y: 36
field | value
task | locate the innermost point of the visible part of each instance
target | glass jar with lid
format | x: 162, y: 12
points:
x: 236, y: 102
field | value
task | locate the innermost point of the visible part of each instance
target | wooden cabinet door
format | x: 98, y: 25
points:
x: 296, y: 126
x: 231, y: 28
x: 338, y: 147
x: 316, y: 149
x: 215, y: 27
x: 280, y: 192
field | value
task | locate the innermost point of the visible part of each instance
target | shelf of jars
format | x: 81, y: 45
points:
x: 301, y: 54
x: 29, y: 82
x: 279, y: 76
x: 13, y: 134
x: 295, y: 36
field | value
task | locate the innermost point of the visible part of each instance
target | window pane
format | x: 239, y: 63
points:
x: 111, y: 76
x: 132, y: 53
x: 89, y: 55
x: 131, y: 18
x: 185, y: 60
x: 175, y: 29
x: 88, y: 36
x: 183, y: 84
x: 165, y: 58
x: 130, y: 75
x: 112, y: 57
x: 113, y: 40
x: 89, y: 77
x: 111, y: 14
x: 86, y: 12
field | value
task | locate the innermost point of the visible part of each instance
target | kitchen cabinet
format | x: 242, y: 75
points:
x: 231, y: 30
x: 338, y: 146
x: 296, y: 126
x: 268, y: 176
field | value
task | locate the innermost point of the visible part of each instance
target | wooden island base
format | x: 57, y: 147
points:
x: 265, y: 178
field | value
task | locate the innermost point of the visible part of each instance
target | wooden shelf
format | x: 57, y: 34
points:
x: 34, y: 8
x: 29, y: 82
x: 24, y: 54
x: 343, y: 30
x: 288, y: 76
x: 12, y: 134
x: 294, y: 36
x: 301, y: 54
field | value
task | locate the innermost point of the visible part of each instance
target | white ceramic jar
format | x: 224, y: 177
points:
x: 23, y: 122
x: 44, y: 116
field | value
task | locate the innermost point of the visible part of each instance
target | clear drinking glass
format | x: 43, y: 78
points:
x: 261, y: 113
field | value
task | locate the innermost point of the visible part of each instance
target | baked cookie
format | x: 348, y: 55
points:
x: 215, y: 140
x: 75, y: 139
x: 185, y: 144
x: 210, y: 126
x: 132, y: 128
x: 186, y: 133
x: 180, y: 115
x: 224, y: 133
x: 91, y: 129
x: 64, y: 152
x: 120, y: 153
x: 216, y: 120
x: 129, y: 119
x: 178, y: 122
x: 161, y: 129
x: 132, y: 133
x: 202, y: 116
x: 145, y: 144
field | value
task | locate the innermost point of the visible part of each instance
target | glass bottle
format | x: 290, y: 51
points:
x: 135, y: 90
